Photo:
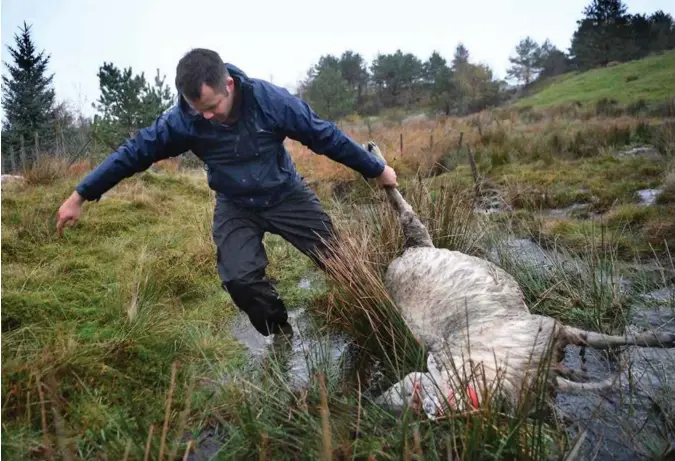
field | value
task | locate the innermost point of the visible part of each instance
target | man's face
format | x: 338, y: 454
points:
x: 215, y: 104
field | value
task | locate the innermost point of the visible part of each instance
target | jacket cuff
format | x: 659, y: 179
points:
x: 86, y: 193
x: 373, y: 167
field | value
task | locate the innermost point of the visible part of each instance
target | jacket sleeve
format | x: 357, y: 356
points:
x: 296, y: 119
x: 166, y: 137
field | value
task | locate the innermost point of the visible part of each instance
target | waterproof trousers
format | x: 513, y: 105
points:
x: 242, y: 261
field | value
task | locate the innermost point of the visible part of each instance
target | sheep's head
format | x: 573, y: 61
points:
x: 416, y: 391
x: 423, y: 392
x: 460, y: 384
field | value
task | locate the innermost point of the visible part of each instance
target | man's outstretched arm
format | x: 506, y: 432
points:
x: 295, y: 119
x: 166, y: 137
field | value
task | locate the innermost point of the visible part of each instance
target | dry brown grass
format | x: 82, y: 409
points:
x: 424, y: 144
x: 46, y: 169
x: 79, y: 168
x: 171, y: 165
x: 369, y: 238
x: 661, y: 232
x: 497, y: 137
x: 668, y: 194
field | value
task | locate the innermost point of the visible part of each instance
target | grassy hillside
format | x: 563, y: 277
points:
x: 651, y: 80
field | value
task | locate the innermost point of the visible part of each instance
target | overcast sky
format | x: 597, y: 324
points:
x: 277, y: 40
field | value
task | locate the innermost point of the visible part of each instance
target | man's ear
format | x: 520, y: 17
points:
x: 229, y: 85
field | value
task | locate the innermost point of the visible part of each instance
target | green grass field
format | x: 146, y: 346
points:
x: 651, y: 80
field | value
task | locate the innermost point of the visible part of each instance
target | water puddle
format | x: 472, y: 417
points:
x: 648, y: 196
x: 305, y: 283
x: 307, y: 350
x: 308, y: 347
x: 525, y: 252
x: 574, y: 211
x: 629, y: 422
x: 643, y: 151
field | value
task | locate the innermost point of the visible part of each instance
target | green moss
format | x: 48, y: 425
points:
x: 630, y: 231
x: 630, y: 215
x: 600, y: 181
x: 667, y: 196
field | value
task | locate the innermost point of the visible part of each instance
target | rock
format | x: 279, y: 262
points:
x: 8, y: 178
x: 644, y: 151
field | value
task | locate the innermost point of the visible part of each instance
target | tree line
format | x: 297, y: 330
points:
x: 340, y: 85
x: 336, y: 86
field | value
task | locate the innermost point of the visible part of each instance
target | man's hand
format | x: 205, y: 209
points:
x: 69, y: 212
x: 387, y: 178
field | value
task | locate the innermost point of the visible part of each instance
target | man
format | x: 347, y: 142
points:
x: 236, y: 125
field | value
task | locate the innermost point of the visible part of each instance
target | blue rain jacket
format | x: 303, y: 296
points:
x: 246, y: 162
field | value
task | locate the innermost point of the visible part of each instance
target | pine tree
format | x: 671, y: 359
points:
x: 435, y: 64
x: 525, y: 65
x: 460, y: 58
x: 127, y: 103
x: 329, y: 93
x: 28, y: 98
x: 552, y: 61
x: 603, y: 35
x: 354, y: 71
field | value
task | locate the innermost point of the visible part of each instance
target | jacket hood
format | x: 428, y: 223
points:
x: 236, y: 73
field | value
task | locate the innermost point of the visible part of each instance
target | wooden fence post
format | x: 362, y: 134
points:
x: 474, y: 172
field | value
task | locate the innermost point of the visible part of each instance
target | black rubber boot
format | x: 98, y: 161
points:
x: 261, y: 302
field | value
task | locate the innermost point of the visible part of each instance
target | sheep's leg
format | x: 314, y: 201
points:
x: 599, y: 341
x: 416, y: 234
x: 566, y: 385
x: 571, y: 374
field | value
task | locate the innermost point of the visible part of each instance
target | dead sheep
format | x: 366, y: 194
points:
x: 482, y: 340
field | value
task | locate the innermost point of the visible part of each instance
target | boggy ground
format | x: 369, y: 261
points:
x: 117, y: 339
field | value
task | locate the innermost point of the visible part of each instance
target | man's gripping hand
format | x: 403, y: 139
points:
x: 387, y: 178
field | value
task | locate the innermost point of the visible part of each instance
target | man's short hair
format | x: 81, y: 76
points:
x: 198, y: 66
